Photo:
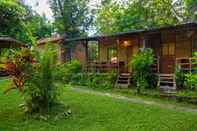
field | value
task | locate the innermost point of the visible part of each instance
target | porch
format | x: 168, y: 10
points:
x: 111, y: 54
x: 102, y: 67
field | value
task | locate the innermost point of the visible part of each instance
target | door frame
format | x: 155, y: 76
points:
x: 174, y: 40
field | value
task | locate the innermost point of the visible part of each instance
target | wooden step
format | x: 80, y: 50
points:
x: 123, y: 80
x: 123, y: 77
x: 167, y: 83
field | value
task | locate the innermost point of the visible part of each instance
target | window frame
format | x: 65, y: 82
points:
x: 108, y: 53
x: 170, y: 49
x: 91, y: 51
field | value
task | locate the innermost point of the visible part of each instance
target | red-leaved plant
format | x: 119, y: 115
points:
x: 18, y: 67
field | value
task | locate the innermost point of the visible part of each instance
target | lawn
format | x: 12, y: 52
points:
x: 95, y: 113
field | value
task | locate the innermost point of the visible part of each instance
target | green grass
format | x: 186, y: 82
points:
x: 95, y: 113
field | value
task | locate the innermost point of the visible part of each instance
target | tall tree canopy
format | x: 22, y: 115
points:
x: 21, y: 22
x: 72, y: 17
x: 138, y: 14
x: 11, y: 16
x: 39, y: 26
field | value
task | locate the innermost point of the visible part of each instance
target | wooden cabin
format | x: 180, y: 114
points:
x: 7, y: 43
x: 109, y: 52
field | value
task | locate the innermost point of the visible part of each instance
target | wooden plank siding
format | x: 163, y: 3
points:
x: 182, y: 41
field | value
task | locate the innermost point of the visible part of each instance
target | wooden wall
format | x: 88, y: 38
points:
x: 183, y: 44
x: 103, y: 48
x: 124, y: 54
x: 184, y: 41
x: 79, y: 53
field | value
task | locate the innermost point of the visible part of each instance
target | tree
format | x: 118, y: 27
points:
x: 39, y: 26
x: 11, y: 17
x: 72, y: 17
x: 137, y: 14
x: 191, y: 6
x: 21, y: 22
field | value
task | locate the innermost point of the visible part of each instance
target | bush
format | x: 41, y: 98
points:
x: 103, y: 81
x: 180, y: 77
x: 191, y: 81
x: 69, y: 72
x: 141, y: 65
x: 41, y: 92
x: 194, y: 70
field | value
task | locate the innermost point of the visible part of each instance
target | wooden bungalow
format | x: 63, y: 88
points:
x: 108, y: 52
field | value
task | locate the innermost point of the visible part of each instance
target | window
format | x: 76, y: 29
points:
x: 168, y: 49
x: 112, y: 55
x: 194, y: 46
x: 93, y: 51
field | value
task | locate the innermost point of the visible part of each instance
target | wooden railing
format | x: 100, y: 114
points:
x: 187, y: 64
x: 101, y: 67
x: 155, y: 66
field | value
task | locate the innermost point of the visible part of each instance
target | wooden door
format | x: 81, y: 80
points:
x: 167, y: 64
x: 167, y: 60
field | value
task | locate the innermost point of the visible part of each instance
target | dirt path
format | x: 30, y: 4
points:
x: 137, y: 100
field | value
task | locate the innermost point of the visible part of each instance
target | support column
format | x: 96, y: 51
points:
x: 118, y: 45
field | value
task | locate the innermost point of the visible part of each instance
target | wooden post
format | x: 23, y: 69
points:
x: 144, y: 42
x: 118, y: 44
x: 190, y: 64
x: 86, y: 52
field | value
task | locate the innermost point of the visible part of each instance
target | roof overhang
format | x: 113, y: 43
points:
x: 62, y: 39
x: 57, y: 40
x: 138, y: 32
x: 8, y: 42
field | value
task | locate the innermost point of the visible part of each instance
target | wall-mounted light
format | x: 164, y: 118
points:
x: 126, y: 43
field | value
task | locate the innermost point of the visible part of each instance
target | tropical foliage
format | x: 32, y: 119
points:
x: 141, y: 65
x: 32, y: 74
x: 12, y: 15
x: 191, y: 81
x: 72, y: 17
x: 72, y: 73
x: 191, y: 78
x: 140, y: 14
x: 21, y: 22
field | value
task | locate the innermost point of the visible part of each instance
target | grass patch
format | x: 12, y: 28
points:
x: 95, y: 113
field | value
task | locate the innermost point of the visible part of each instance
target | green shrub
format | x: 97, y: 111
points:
x: 180, y: 77
x: 69, y: 72
x: 103, y: 81
x: 195, y: 54
x: 74, y: 67
x: 191, y: 81
x: 194, y: 70
x: 141, y: 65
x: 41, y: 92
